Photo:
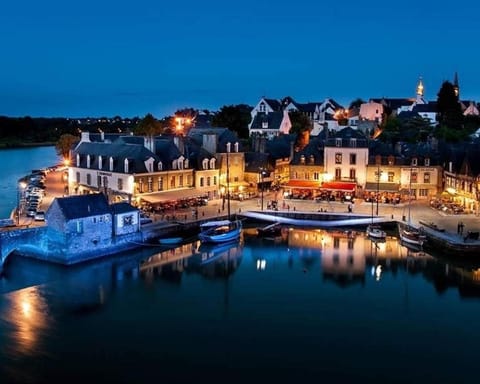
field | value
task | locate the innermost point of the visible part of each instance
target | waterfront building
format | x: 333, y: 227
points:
x: 345, y: 161
x: 85, y: 226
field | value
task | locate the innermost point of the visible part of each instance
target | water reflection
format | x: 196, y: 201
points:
x: 307, y: 279
x: 25, y: 314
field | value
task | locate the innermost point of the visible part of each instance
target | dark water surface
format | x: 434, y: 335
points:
x: 316, y: 307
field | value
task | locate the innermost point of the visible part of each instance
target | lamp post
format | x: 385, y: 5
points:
x: 378, y: 183
x: 21, y: 186
x: 262, y: 178
x: 228, y: 180
x: 66, y: 162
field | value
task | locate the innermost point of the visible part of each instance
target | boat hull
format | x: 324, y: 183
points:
x: 222, y: 234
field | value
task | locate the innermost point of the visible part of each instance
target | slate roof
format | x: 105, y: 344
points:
x: 256, y: 160
x: 394, y: 103
x: 423, y: 108
x: 274, y: 120
x: 224, y: 136
x: 122, y: 207
x: 346, y: 134
x: 279, y: 147
x: 314, y: 148
x: 80, y: 206
x: 136, y: 154
x: 274, y: 104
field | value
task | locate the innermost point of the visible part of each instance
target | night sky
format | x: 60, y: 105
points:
x: 130, y: 58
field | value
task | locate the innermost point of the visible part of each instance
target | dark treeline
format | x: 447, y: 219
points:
x: 21, y: 131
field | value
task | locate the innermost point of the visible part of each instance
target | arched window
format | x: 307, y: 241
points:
x: 180, y: 162
x: 205, y: 163
x: 126, y: 166
x: 111, y: 164
x: 100, y: 162
x: 160, y: 166
x: 236, y: 146
x: 78, y: 159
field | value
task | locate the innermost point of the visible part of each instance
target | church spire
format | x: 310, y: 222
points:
x: 456, y: 87
x: 420, y: 87
x: 420, y: 92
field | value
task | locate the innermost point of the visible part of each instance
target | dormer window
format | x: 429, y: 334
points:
x: 235, y: 146
x: 302, y: 159
x: 353, y: 143
x: 427, y: 162
x: 180, y: 162
x: 205, y: 164
x: 212, y: 163
x: 185, y: 164
x: 160, y: 166
x: 100, y: 162
x: 264, y: 124
x: 391, y: 160
x: 110, y: 166
x: 126, y: 166
x: 78, y: 160
x: 414, y: 161
x: 174, y: 164
x: 312, y: 159
x: 88, y: 161
x: 338, y: 142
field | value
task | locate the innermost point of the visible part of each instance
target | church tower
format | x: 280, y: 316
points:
x: 420, y: 92
x: 456, y: 87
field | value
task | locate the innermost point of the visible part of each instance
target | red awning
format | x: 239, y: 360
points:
x: 303, y: 184
x: 338, y: 186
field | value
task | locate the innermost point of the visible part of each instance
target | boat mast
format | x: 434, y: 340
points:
x: 228, y: 182
x: 409, y: 195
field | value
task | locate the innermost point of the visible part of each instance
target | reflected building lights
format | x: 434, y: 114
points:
x: 261, y: 264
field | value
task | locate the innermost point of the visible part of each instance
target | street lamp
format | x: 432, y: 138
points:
x: 66, y: 162
x: 262, y: 178
x: 21, y: 187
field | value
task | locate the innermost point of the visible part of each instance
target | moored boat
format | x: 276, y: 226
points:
x: 411, y: 235
x: 376, y: 232
x: 274, y: 229
x: 220, y: 231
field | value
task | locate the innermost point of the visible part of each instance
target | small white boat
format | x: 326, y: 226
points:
x: 220, y: 231
x: 411, y: 235
x: 375, y: 232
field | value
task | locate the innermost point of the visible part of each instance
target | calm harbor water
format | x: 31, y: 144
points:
x: 310, y: 306
x: 17, y: 163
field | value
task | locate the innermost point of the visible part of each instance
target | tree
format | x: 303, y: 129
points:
x: 300, y: 122
x: 355, y: 104
x: 235, y: 118
x: 149, y: 126
x: 65, y: 144
x: 448, y: 108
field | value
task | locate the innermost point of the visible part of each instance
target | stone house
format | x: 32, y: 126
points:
x: 85, y: 227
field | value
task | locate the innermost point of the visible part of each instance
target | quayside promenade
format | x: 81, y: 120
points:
x: 172, y: 222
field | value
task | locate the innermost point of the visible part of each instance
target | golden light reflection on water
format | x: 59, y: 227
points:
x: 27, y: 318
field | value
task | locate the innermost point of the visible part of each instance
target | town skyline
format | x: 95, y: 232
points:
x: 113, y: 59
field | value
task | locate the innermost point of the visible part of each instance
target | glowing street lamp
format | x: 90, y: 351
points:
x: 21, y: 187
x: 66, y: 162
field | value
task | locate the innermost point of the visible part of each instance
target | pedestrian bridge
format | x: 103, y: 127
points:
x: 315, y: 219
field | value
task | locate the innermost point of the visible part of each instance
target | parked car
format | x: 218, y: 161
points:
x: 39, y: 216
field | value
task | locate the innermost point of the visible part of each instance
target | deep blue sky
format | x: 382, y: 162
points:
x: 129, y: 58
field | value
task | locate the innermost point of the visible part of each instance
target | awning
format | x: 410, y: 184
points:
x: 178, y: 194
x: 382, y: 187
x: 303, y: 184
x: 338, y: 186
